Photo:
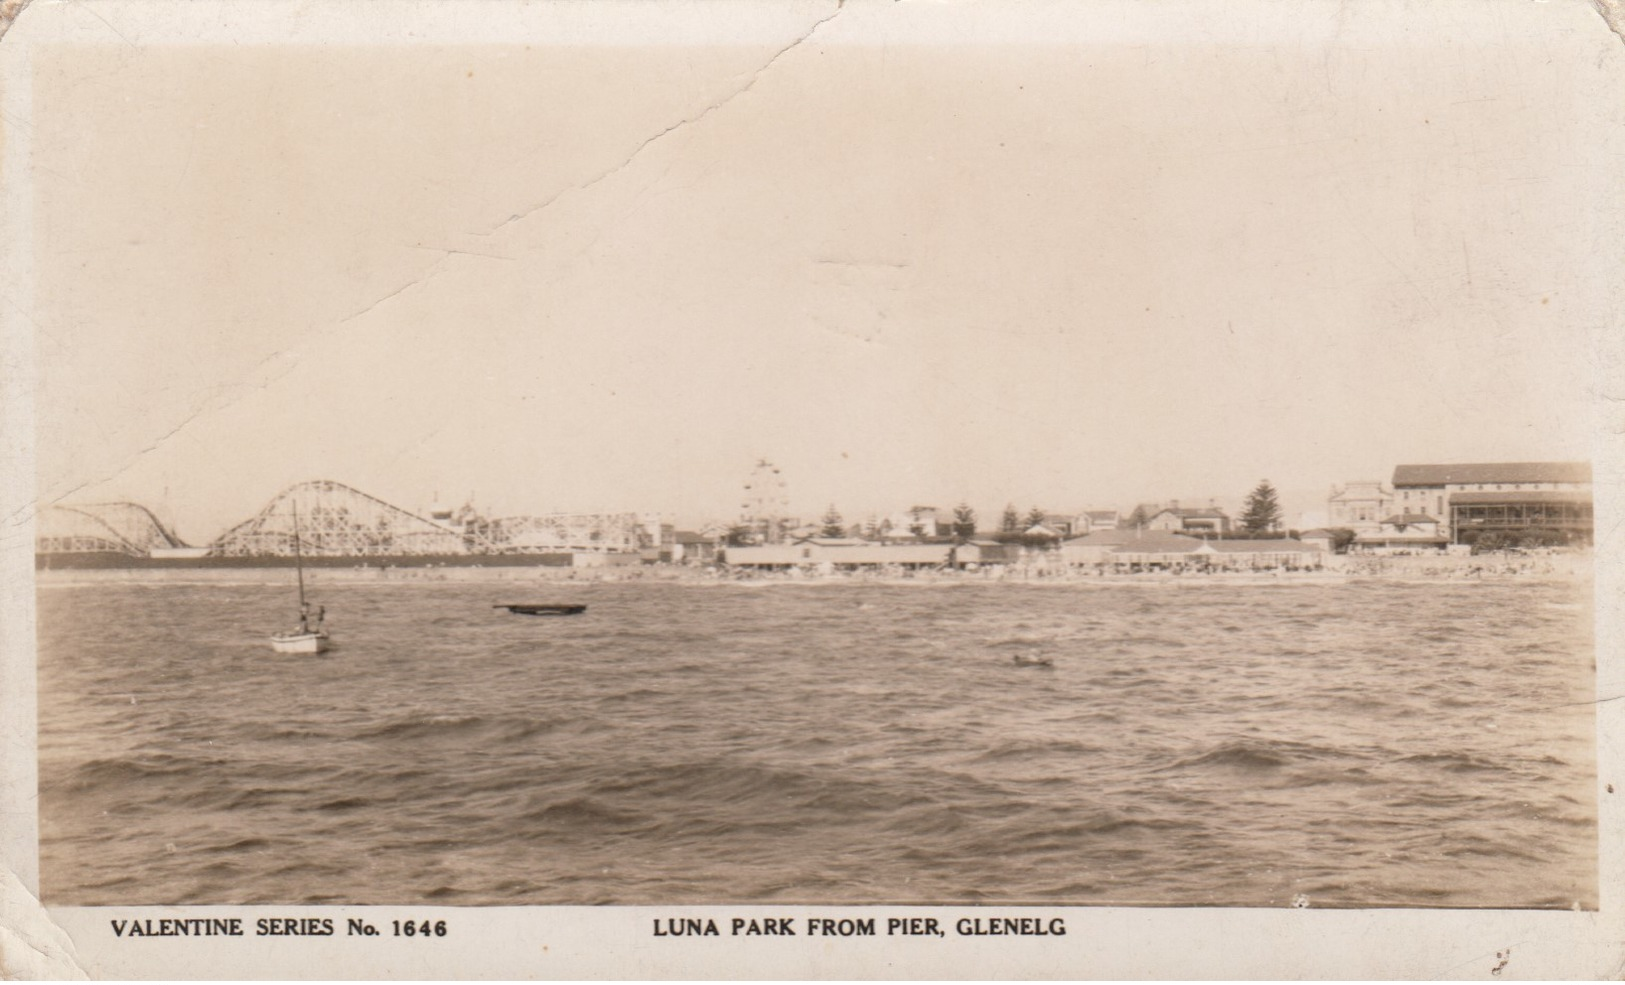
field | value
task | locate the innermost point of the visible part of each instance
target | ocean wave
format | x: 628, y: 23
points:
x: 1456, y: 762
x: 1034, y: 748
x: 719, y: 747
x: 1239, y: 755
x: 443, y: 728
x: 101, y: 775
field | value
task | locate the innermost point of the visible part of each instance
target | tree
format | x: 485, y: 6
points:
x: 834, y: 526
x: 1263, y: 511
x: 964, y: 522
x: 1010, y: 523
x: 1035, y: 516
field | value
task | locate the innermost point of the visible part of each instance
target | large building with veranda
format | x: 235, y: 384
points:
x: 1544, y: 502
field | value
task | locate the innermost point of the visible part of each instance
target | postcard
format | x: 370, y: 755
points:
x: 811, y: 490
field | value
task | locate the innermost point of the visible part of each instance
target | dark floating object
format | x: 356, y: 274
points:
x: 1022, y: 660
x: 543, y: 610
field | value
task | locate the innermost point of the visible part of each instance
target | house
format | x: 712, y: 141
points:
x: 984, y: 552
x: 692, y: 547
x: 1177, y: 520
x: 1047, y: 530
x: 1091, y: 520
x: 1321, y: 538
x: 1510, y: 498
x: 1359, y: 506
x: 1061, y: 523
x: 1140, y: 514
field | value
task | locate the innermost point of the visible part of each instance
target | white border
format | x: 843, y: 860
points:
x: 579, y: 942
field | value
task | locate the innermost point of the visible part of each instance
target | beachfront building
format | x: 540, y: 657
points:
x: 1360, y: 506
x: 843, y: 554
x: 1551, y: 500
x: 1151, y: 549
x: 693, y: 547
x: 1403, y: 533
x: 1095, y: 547
x: 838, y: 554
x: 1321, y: 538
x: 1260, y: 554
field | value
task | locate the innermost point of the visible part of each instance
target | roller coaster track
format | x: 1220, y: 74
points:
x: 123, y: 528
x: 337, y: 520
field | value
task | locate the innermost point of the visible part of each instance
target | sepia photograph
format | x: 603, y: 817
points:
x: 977, y: 472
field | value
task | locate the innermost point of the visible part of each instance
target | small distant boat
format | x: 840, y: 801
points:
x: 296, y: 642
x: 1024, y: 660
x: 309, y: 636
x: 543, y: 610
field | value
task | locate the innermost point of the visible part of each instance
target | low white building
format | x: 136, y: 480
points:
x: 838, y: 554
x: 1403, y: 532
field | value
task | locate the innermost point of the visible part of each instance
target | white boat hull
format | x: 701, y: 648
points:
x: 299, y: 642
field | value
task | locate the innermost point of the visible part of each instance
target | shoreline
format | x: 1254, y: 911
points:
x: 1398, y: 570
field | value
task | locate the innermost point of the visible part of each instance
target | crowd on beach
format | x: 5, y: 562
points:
x: 1333, y: 568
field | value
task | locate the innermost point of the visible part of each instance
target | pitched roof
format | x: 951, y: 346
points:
x: 1262, y: 546
x: 1102, y: 538
x: 1442, y: 475
x: 1410, y: 518
x: 1155, y: 542
x: 1194, y: 514
x: 1515, y: 496
x: 1101, y: 514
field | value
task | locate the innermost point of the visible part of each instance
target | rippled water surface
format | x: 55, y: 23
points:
x: 1367, y: 743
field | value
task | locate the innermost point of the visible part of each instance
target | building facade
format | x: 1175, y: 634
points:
x: 1359, y: 506
x: 1513, y: 500
x: 1173, y: 519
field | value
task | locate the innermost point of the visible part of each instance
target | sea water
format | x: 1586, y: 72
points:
x: 1371, y: 743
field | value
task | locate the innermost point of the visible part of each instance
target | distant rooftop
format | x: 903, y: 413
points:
x: 1442, y: 475
x: 1261, y: 546
x: 1406, y: 519
x: 1150, y: 542
x: 1528, y: 496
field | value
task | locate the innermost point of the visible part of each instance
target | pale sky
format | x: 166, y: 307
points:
x: 1076, y: 274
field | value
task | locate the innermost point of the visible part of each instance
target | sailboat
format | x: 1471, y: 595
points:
x: 308, y: 636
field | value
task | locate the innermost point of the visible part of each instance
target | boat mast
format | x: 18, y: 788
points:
x: 298, y: 562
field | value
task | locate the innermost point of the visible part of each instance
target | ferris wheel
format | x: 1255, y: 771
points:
x: 766, y: 501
